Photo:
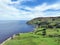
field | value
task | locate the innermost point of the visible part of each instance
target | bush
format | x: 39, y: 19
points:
x: 58, y: 26
x: 44, y: 32
x: 50, y: 26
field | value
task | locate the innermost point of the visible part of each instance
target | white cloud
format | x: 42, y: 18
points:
x: 45, y: 6
x: 38, y: 11
x: 11, y: 13
x: 7, y: 12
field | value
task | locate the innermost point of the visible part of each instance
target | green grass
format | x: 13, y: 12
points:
x: 32, y: 39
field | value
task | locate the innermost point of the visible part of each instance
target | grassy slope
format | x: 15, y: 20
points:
x: 37, y: 39
x: 31, y: 39
x: 51, y: 20
x: 34, y: 39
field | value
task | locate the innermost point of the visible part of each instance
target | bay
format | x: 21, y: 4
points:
x: 11, y: 27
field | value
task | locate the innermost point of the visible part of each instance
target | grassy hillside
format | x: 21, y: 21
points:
x: 44, y: 19
x: 33, y: 39
x: 47, y: 32
x: 49, y: 26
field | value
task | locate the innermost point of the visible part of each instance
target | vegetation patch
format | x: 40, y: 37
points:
x: 47, y: 32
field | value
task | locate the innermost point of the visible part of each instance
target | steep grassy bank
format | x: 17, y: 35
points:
x: 33, y: 39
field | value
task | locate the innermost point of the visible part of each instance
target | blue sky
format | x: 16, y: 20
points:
x: 28, y: 9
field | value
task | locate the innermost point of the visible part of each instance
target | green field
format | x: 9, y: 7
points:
x: 33, y: 38
x: 46, y: 32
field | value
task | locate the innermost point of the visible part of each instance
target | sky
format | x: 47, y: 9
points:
x: 28, y: 9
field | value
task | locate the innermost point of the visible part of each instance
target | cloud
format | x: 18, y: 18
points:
x: 15, y: 11
x: 45, y: 6
x: 40, y: 10
x: 9, y: 12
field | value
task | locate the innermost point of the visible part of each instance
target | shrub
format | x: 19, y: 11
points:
x: 50, y: 26
x: 44, y: 32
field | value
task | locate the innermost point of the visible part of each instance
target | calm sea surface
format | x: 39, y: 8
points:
x: 10, y: 27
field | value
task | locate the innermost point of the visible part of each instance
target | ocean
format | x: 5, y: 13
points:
x: 11, y: 27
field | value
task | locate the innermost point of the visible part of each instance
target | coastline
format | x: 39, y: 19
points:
x: 7, y: 39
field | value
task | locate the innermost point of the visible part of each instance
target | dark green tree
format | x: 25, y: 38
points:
x: 44, y: 32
